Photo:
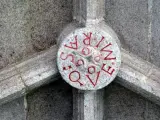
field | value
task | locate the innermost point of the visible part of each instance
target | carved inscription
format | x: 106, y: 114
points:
x: 87, y: 59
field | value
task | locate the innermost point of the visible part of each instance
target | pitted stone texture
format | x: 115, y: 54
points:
x: 123, y: 104
x: 88, y: 58
x: 14, y: 37
x: 88, y: 11
x: 14, y: 110
x: 51, y: 102
x: 88, y: 105
x: 155, y: 41
x: 130, y: 20
x: 48, y: 18
x: 30, y: 26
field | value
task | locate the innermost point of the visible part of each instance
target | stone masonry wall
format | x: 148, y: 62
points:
x: 54, y: 102
x: 30, y: 26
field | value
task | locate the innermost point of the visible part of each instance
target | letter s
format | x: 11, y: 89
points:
x: 63, y: 57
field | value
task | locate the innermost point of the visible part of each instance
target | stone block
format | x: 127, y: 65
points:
x: 30, y: 26
x: 11, y: 85
x: 51, y: 102
x: 136, y: 62
x: 39, y: 69
x: 155, y: 34
x: 14, y: 110
x: 121, y: 103
x: 130, y: 20
x: 11, y: 89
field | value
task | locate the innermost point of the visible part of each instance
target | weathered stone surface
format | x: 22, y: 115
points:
x: 14, y: 110
x: 88, y: 105
x: 51, y: 102
x: 39, y: 69
x: 14, y: 38
x: 155, y: 74
x: 11, y: 85
x: 121, y: 103
x: 30, y: 26
x: 47, y: 19
x: 17, y: 79
x: 88, y: 11
x: 89, y: 58
x: 142, y: 78
x: 155, y: 36
x: 130, y: 21
x: 135, y: 62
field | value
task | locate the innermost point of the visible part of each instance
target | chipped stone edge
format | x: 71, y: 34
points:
x: 135, y: 74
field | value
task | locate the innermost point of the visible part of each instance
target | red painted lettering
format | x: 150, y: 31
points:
x: 73, y: 45
x: 79, y: 62
x: 110, y: 70
x: 100, y: 42
x: 94, y: 83
x: 66, y: 57
x: 91, y: 69
x: 109, y: 52
x: 87, y: 40
x: 75, y: 78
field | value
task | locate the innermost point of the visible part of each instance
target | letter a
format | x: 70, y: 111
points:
x: 73, y: 45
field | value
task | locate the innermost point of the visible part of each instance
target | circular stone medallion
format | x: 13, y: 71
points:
x: 88, y: 59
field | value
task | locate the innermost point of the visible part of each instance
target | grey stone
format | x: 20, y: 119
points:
x: 135, y: 74
x: 11, y: 84
x: 139, y: 83
x: 89, y: 74
x: 18, y: 79
x: 30, y: 26
x: 39, y: 69
x: 88, y: 11
x: 155, y: 74
x: 88, y: 105
x: 14, y: 110
x: 48, y: 18
x: 130, y: 21
x: 91, y: 13
x: 136, y: 62
x: 155, y: 41
x: 123, y: 104
x: 139, y: 76
x: 51, y: 102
